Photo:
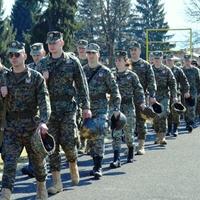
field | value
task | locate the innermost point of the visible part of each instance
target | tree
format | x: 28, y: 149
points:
x: 193, y: 10
x: 151, y: 15
x: 6, y: 33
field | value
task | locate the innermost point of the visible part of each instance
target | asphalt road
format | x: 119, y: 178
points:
x: 171, y: 173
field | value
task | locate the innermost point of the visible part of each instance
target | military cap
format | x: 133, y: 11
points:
x: 92, y: 47
x: 53, y: 36
x: 16, y: 47
x: 36, y: 49
x: 121, y: 54
x: 82, y: 43
x: 169, y: 56
x: 187, y: 57
x: 135, y: 44
x: 157, y: 54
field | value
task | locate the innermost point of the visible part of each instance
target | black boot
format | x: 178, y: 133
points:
x: 169, y: 129
x: 189, y: 127
x: 130, y: 157
x: 116, y: 162
x: 175, y: 131
x: 98, y: 168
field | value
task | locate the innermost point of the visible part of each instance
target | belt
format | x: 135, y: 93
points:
x: 61, y: 98
x: 127, y: 101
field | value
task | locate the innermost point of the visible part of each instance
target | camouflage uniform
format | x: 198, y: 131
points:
x: 130, y: 89
x: 184, y: 87
x: 147, y: 80
x: 32, y: 66
x: 66, y: 76
x: 26, y: 92
x: 193, y: 77
x: 166, y: 87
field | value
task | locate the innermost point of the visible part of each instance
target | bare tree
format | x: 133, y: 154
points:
x: 193, y: 10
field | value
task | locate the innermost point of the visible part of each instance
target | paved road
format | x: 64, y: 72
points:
x: 171, y: 173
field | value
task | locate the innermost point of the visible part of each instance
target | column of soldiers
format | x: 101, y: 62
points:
x: 57, y: 93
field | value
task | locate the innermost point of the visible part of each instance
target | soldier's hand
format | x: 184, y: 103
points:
x: 87, y: 113
x: 46, y: 75
x: 4, y: 91
x: 187, y: 95
x: 142, y: 106
x: 43, y: 129
x: 152, y: 100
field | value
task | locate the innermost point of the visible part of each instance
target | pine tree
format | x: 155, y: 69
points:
x: 151, y: 15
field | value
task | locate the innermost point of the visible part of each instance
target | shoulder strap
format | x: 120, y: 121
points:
x: 96, y: 70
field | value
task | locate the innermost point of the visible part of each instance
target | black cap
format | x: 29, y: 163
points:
x: 135, y: 44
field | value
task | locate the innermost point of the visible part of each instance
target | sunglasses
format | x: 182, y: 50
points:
x: 89, y: 52
x: 17, y: 55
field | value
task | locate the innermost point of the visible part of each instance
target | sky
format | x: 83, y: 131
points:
x: 175, y: 16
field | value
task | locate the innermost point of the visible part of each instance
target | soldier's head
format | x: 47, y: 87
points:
x: 93, y: 53
x: 37, y: 52
x: 187, y: 60
x: 55, y: 41
x: 170, y: 60
x: 198, y: 61
x: 81, y: 48
x: 121, y: 60
x: 16, y: 53
x: 194, y: 62
x: 157, y: 58
x: 135, y: 50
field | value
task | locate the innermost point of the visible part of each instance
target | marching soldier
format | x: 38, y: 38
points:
x: 147, y: 79
x: 100, y: 81
x: 27, y: 92
x: 193, y: 76
x: 131, y: 91
x: 37, y: 52
x: 166, y: 87
x: 66, y: 80
x: 184, y: 88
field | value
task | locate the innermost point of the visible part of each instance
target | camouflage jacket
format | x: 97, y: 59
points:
x: 66, y: 81
x: 28, y: 94
x: 32, y: 66
x: 166, y: 82
x: 103, y: 82
x: 181, y: 79
x: 193, y: 77
x: 146, y: 76
x: 130, y: 88
x: 83, y: 61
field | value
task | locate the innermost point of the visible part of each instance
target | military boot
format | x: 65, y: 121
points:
x: 162, y: 139
x: 175, y: 131
x: 189, y: 127
x: 5, y: 194
x: 158, y: 137
x: 57, y: 183
x: 97, y: 170
x: 140, y: 147
x: 74, y: 172
x: 169, y: 130
x: 116, y: 161
x: 130, y: 157
x: 41, y: 191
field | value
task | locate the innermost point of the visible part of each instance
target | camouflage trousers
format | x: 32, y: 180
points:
x: 15, y: 138
x: 64, y: 130
x: 160, y: 122
x: 128, y: 130
x: 97, y: 146
x: 190, y: 112
x: 198, y: 107
x: 141, y: 128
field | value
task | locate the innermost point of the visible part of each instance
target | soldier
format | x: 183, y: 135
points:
x: 100, y: 81
x: 27, y: 92
x: 66, y: 80
x: 183, y: 87
x: 81, y: 49
x: 130, y: 89
x: 166, y: 87
x: 193, y: 76
x: 147, y: 79
x: 37, y: 52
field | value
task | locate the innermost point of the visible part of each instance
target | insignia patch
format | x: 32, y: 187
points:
x: 51, y: 35
x: 128, y: 77
x: 100, y: 74
x: 28, y: 80
x: 14, y: 44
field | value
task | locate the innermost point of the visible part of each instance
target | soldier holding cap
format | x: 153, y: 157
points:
x: 131, y: 91
x: 37, y: 52
x: 27, y: 92
x: 183, y: 87
x: 100, y: 81
x: 193, y: 76
x: 66, y: 80
x: 166, y: 87
x: 147, y: 79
